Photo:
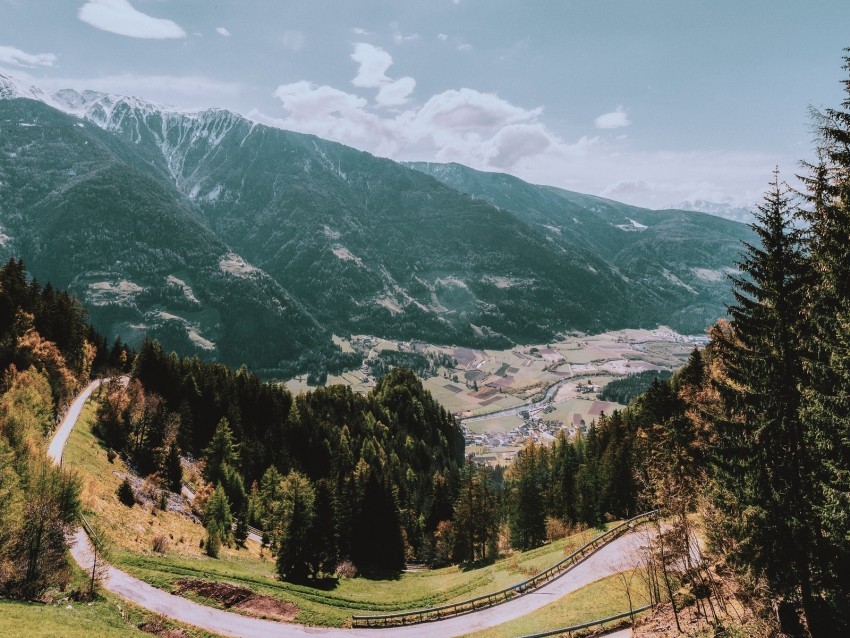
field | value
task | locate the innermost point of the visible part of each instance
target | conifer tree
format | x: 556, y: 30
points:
x: 476, y: 522
x: 295, y: 552
x: 221, y: 452
x: 173, y: 469
x: 528, y: 514
x: 218, y: 521
x: 826, y: 400
x: 763, y: 462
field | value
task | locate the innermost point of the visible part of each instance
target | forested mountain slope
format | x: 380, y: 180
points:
x: 250, y: 244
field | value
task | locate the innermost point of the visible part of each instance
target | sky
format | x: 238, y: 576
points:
x: 648, y: 102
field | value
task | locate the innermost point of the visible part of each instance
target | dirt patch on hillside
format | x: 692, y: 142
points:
x: 238, y: 598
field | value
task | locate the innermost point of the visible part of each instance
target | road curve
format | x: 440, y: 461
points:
x: 608, y: 560
x: 60, y: 437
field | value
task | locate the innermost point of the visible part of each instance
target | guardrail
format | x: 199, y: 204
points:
x: 489, y: 600
x: 569, y: 631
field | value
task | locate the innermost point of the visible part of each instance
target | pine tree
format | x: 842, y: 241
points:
x: 295, y: 552
x: 173, y: 469
x: 218, y: 521
x: 476, y: 522
x: 222, y: 451
x: 764, y: 461
x: 826, y: 401
x: 528, y: 513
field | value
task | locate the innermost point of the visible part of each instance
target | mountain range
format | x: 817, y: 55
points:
x: 249, y: 244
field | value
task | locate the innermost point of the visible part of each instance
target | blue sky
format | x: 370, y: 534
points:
x: 643, y: 101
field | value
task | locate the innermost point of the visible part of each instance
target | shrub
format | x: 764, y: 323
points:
x: 110, y: 455
x: 556, y: 529
x: 346, y: 569
x: 125, y: 493
x: 160, y: 544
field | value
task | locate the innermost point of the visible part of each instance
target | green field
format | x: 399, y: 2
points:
x: 604, y: 598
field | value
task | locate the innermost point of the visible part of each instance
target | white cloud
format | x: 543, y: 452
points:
x: 396, y: 93
x: 442, y: 37
x: 12, y: 55
x: 374, y: 62
x: 615, y: 119
x: 307, y: 102
x: 487, y: 132
x: 400, y: 38
x: 293, y: 40
x: 463, y: 46
x: 119, y: 16
x: 360, y: 31
x: 222, y: 31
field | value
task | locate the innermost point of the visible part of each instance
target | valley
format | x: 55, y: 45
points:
x: 503, y: 398
x: 204, y: 229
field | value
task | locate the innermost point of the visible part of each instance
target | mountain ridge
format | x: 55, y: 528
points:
x: 345, y: 241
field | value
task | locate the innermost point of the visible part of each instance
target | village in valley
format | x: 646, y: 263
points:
x: 505, y: 397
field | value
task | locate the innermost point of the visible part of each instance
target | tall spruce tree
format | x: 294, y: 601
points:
x: 826, y: 402
x: 528, y: 513
x: 763, y: 455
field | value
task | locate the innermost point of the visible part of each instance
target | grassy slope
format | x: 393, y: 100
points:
x: 105, y: 617
x: 601, y: 599
x: 132, y: 531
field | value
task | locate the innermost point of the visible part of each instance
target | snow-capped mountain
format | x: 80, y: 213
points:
x: 232, y: 239
x: 734, y: 212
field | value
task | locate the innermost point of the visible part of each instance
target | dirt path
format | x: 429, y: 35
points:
x: 610, y: 559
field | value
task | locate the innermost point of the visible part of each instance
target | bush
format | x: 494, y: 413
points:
x: 346, y: 569
x: 125, y: 493
x: 213, y: 544
x: 160, y: 544
x: 111, y: 455
x: 556, y: 529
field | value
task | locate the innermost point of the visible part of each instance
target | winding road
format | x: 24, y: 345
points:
x: 610, y: 559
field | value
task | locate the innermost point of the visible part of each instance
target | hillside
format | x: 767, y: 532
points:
x: 674, y: 261
x: 206, y: 230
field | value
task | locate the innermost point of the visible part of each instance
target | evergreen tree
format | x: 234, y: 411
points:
x: 296, y: 551
x: 764, y: 463
x: 826, y: 400
x: 173, y: 470
x: 476, y: 522
x: 222, y: 451
x: 528, y: 514
x: 218, y: 521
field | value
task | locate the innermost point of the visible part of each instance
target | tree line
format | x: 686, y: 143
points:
x: 47, y: 353
x: 361, y: 478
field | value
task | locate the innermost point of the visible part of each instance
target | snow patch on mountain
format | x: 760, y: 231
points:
x: 12, y: 88
x: 632, y: 226
x: 707, y: 274
x: 727, y: 210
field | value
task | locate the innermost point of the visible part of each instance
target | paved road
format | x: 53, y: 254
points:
x: 608, y: 560
x: 60, y: 438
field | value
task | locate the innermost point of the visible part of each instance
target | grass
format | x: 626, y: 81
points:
x: 130, y: 532
x: 601, y: 599
x: 105, y: 617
